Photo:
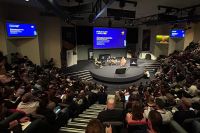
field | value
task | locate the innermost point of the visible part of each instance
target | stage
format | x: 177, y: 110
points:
x: 107, y: 74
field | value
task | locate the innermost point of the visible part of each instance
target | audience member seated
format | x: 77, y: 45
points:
x: 28, y: 104
x: 110, y: 113
x: 146, y: 74
x: 154, y: 122
x: 166, y: 115
x: 95, y: 126
x: 98, y: 63
x: 136, y: 116
x: 149, y: 106
x: 123, y: 62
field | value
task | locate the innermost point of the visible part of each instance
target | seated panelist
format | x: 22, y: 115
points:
x: 122, y: 62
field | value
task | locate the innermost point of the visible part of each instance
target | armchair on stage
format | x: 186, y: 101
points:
x: 98, y: 63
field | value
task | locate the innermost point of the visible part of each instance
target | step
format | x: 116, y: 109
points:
x: 93, y: 110
x: 85, y: 75
x: 81, y: 120
x: 76, y: 124
x: 71, y: 130
x: 78, y: 72
x: 151, y: 67
x: 90, y: 113
x: 89, y: 77
x: 99, y: 105
x: 87, y: 116
x: 97, y: 108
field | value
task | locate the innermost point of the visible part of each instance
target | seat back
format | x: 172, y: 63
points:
x: 176, y: 128
x: 137, y: 128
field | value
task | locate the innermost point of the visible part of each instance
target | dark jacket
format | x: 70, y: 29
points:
x: 110, y: 115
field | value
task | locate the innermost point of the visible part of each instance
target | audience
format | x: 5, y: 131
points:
x: 28, y: 90
x: 42, y: 91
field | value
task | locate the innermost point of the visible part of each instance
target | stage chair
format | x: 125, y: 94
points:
x: 98, y: 64
x: 148, y: 57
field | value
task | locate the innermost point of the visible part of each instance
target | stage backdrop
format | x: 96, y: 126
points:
x: 146, y: 38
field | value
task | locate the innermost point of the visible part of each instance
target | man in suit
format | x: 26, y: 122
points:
x: 110, y: 113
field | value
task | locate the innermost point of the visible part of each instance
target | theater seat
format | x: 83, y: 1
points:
x: 176, y: 128
x: 39, y: 126
x: 191, y: 124
x: 137, y: 128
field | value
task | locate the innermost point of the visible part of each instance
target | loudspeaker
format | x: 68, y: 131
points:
x: 120, y: 71
x: 133, y: 62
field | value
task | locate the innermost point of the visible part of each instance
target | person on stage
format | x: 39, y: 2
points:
x: 123, y: 62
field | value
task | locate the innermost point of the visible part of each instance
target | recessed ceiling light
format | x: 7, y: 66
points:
x: 27, y: 0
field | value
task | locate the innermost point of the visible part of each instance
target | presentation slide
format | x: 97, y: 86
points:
x: 109, y: 38
x: 21, y: 30
x: 177, y: 34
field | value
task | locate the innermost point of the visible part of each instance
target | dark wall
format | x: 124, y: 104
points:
x: 84, y: 35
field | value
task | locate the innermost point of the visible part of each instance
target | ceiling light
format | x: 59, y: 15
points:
x: 27, y: 0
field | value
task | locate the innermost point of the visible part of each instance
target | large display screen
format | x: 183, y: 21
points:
x: 177, y: 33
x: 20, y: 30
x: 109, y: 38
x: 163, y: 39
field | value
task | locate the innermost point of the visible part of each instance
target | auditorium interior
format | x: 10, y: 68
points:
x: 99, y: 66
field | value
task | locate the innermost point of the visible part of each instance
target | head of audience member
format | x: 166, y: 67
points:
x: 110, y: 103
x: 95, y: 126
x: 133, y: 97
x: 19, y: 92
x: 150, y: 101
x: 160, y: 104
x: 28, y: 97
x: 185, y: 103
x: 155, y: 121
x: 137, y: 110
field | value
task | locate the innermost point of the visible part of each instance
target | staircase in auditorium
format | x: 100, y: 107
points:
x: 151, y: 67
x: 78, y: 125
x: 84, y: 75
